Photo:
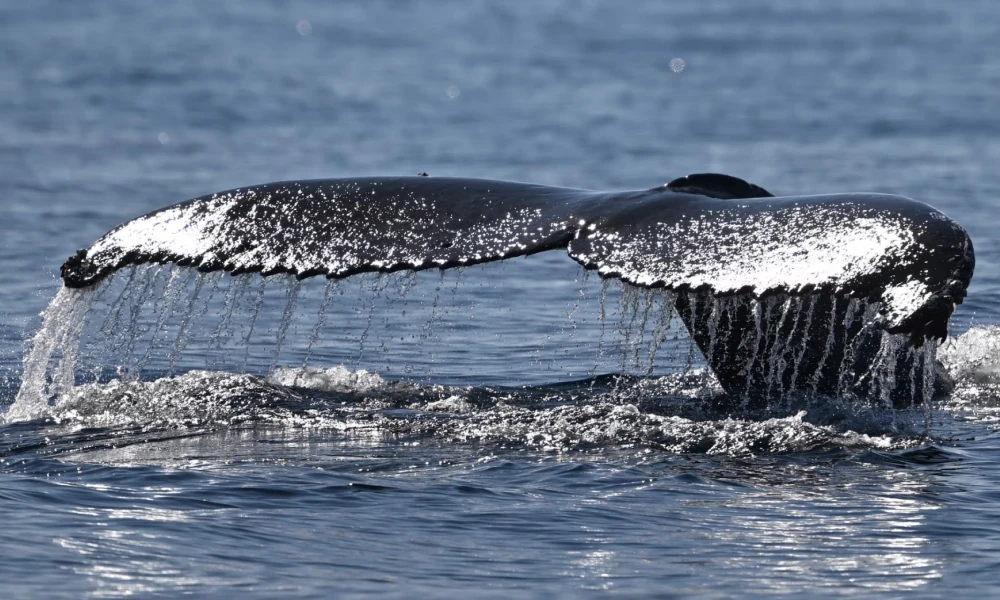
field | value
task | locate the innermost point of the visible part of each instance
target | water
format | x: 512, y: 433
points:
x: 467, y: 433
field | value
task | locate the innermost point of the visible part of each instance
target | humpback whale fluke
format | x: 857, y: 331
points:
x: 708, y: 237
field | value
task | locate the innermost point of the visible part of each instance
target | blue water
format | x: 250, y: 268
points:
x: 472, y: 465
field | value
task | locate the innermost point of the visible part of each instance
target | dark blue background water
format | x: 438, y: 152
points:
x: 112, y: 109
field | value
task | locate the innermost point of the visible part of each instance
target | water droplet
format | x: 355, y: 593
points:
x: 304, y: 27
x: 677, y: 65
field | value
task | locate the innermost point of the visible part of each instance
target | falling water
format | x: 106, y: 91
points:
x: 660, y: 331
x: 254, y: 310
x: 291, y: 299
x: 602, y: 317
x: 331, y: 285
x: 806, y: 340
x: 165, y: 308
x: 59, y: 331
x: 377, y: 288
x: 234, y: 295
x: 770, y: 346
x: 182, y: 339
x: 787, y: 344
x: 138, y: 301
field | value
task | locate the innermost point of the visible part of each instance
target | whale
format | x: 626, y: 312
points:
x: 779, y: 293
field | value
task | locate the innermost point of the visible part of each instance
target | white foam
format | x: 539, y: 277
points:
x: 333, y: 379
x: 974, y: 356
x: 208, y: 400
x: 195, y: 399
x: 453, y: 404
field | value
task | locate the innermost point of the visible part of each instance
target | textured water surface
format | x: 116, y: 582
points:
x: 514, y: 427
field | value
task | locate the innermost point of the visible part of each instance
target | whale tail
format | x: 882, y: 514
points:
x: 826, y: 294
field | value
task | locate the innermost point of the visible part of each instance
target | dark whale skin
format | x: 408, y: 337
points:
x: 710, y: 234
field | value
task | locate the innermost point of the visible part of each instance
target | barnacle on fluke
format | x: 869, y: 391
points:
x: 844, y: 281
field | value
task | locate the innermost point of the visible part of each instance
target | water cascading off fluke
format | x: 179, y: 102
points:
x: 820, y: 343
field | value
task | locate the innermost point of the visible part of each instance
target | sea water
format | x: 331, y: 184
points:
x: 521, y: 427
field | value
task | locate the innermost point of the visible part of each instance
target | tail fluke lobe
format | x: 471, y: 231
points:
x: 341, y: 227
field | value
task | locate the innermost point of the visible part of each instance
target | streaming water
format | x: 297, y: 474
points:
x: 60, y: 320
x: 774, y: 339
x: 291, y: 299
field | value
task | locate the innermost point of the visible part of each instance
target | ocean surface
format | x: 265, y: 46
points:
x: 500, y: 430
